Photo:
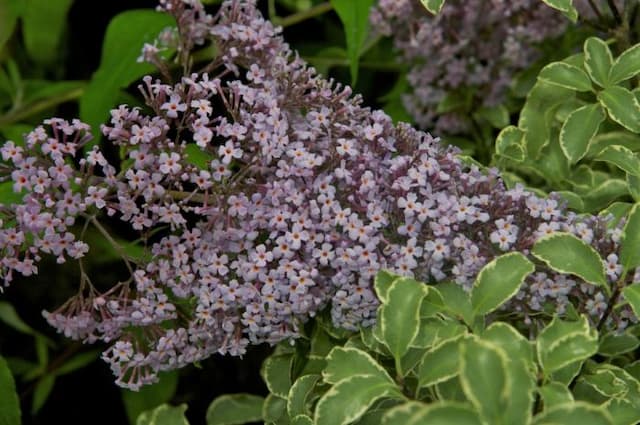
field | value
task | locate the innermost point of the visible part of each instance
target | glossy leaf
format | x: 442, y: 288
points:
x: 301, y: 420
x: 562, y: 343
x: 299, y: 393
x: 498, y: 281
x: 597, y: 60
x: 536, y: 116
x: 350, y: 398
x: 574, y: 413
x: 510, y: 143
x: 622, y: 107
x: 382, y: 283
x: 622, y: 158
x: 565, y: 75
x: 630, y: 240
x: 150, y: 396
x: 446, y: 413
x: 276, y: 373
x: 400, y: 315
x: 484, y: 378
x: 125, y: 36
x: 554, y: 393
x: 274, y: 410
x: 198, y: 157
x: 164, y: 415
x: 579, y: 129
x: 456, y: 300
x: 401, y: 414
x: 510, y: 340
x: 343, y: 363
x: 232, y: 409
x: 354, y: 15
x: 614, y: 344
x: 565, y: 6
x: 440, y: 363
x: 433, y: 6
x: 631, y: 293
x: 9, y: 403
x: 626, y: 66
x: 565, y: 253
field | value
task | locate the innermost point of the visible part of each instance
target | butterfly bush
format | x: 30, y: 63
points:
x: 471, y: 45
x: 305, y: 194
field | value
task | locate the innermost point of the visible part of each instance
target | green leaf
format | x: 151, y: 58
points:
x: 433, y: 6
x: 10, y: 10
x: 126, y: 34
x: 623, y: 138
x: 440, y: 362
x: 510, y: 143
x: 498, y: 281
x: 350, y: 398
x: 633, y: 185
x: 400, y: 316
x: 565, y: 75
x: 164, y: 415
x: 9, y: 316
x: 77, y: 362
x: 579, y: 130
x: 574, y: 413
x: 446, y: 413
x: 455, y: 101
x: 198, y: 157
x: 510, y: 340
x: 276, y: 373
x: 626, y: 66
x: 566, y: 7
x: 456, y: 300
x: 299, y: 394
x: 232, y: 409
x: 554, y: 393
x: 43, y: 22
x: 150, y: 396
x: 354, y: 15
x: 621, y: 157
x: 614, y: 344
x: 382, y: 284
x: 605, y: 193
x: 597, y: 60
x: 562, y: 343
x: 42, y: 392
x: 343, y: 363
x: 630, y: 241
x: 497, y: 116
x: 9, y: 403
x: 565, y: 253
x: 622, y: 106
x: 483, y: 374
x: 274, y: 410
x: 301, y: 420
x: 632, y: 294
x: 537, y: 115
x: 401, y: 414
x: 574, y: 201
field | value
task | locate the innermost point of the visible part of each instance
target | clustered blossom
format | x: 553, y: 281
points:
x: 472, y: 46
x: 305, y: 196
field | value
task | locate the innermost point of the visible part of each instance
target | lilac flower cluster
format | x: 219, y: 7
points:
x: 471, y: 45
x: 304, y: 197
